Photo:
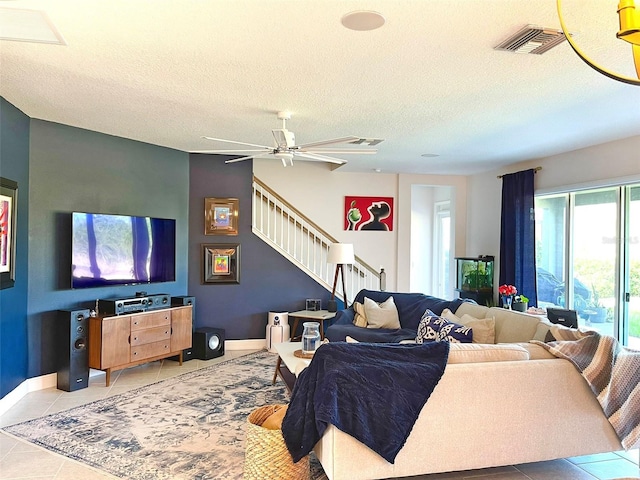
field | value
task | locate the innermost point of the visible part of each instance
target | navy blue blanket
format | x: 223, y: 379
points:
x: 373, y: 392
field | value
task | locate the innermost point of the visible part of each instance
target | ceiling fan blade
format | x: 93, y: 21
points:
x: 339, y: 152
x: 240, y: 159
x: 319, y: 158
x: 329, y: 142
x: 237, y: 143
x: 240, y: 151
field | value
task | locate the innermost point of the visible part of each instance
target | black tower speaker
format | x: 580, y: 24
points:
x: 72, y: 338
x: 208, y: 343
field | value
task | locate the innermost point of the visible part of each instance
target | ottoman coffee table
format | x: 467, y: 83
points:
x: 287, y: 372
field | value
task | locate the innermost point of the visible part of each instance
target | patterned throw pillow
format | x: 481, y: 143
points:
x: 433, y: 327
x: 360, y: 318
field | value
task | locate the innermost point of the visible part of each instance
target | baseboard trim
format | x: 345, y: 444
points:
x: 250, y: 344
x: 51, y: 379
x: 29, y: 385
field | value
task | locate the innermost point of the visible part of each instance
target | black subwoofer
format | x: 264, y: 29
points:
x: 208, y: 343
x: 72, y: 338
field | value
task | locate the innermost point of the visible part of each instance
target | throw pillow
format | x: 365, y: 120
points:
x: 360, y: 318
x: 383, y: 315
x: 484, y: 329
x: 433, y: 327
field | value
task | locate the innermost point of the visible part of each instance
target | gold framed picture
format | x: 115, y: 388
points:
x: 220, y: 263
x: 221, y: 216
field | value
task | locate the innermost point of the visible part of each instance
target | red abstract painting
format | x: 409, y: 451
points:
x: 368, y: 213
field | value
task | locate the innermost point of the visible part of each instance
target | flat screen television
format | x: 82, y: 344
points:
x: 108, y: 250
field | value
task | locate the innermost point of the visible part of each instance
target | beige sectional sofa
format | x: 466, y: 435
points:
x: 485, y: 413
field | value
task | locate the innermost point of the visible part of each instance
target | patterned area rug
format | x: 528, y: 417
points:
x: 188, y: 427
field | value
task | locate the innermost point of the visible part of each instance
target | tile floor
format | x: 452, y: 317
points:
x: 22, y: 460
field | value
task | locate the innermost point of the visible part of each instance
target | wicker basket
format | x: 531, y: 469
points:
x: 266, y: 455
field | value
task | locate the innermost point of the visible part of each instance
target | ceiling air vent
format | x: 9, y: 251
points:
x: 532, y: 39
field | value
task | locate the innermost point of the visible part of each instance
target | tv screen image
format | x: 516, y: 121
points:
x: 121, y: 250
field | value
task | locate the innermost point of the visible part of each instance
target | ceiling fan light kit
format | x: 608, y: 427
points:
x: 285, y: 148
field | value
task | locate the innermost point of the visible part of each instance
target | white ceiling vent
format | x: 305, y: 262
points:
x: 25, y: 25
x: 532, y: 39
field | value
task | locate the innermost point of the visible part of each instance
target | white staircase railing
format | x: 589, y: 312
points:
x: 304, y: 243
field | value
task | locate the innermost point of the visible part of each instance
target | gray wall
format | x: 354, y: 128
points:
x: 14, y: 165
x: 79, y: 170
x: 268, y: 281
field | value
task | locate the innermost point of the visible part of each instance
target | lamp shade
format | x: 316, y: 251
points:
x: 341, y: 253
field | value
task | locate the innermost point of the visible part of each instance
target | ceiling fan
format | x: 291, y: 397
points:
x: 285, y: 148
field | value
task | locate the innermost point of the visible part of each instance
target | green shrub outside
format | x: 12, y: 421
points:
x: 599, y: 276
x: 634, y: 324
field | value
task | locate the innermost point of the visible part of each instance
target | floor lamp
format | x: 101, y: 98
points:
x: 340, y: 254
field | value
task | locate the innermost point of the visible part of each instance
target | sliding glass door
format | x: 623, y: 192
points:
x: 595, y: 242
x: 588, y: 258
x: 551, y: 249
x: 631, y: 273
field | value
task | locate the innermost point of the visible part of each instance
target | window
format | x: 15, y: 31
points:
x: 588, y: 257
x: 442, y: 247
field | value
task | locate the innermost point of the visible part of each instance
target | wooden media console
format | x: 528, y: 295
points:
x: 121, y: 341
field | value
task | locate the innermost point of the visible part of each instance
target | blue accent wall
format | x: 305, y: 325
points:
x: 14, y: 165
x: 268, y: 281
x: 72, y: 169
x: 61, y: 169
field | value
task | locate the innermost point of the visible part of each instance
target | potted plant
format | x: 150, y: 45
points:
x: 520, y: 303
x: 597, y: 311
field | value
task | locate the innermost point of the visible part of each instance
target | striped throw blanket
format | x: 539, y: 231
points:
x: 611, y: 370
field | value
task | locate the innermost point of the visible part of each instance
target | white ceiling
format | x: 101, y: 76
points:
x: 167, y: 72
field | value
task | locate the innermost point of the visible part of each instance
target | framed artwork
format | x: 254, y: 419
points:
x: 220, y: 263
x: 221, y: 216
x: 368, y: 213
x: 8, y: 213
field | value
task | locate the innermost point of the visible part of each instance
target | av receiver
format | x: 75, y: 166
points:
x: 120, y: 306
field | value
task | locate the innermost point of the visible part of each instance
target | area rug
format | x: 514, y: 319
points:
x: 188, y: 427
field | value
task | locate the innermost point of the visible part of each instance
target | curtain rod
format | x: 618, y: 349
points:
x: 535, y: 170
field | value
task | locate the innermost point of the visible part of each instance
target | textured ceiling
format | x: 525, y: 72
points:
x: 428, y: 82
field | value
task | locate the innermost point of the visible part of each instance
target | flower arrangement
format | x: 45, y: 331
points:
x: 507, y: 293
x: 507, y: 290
